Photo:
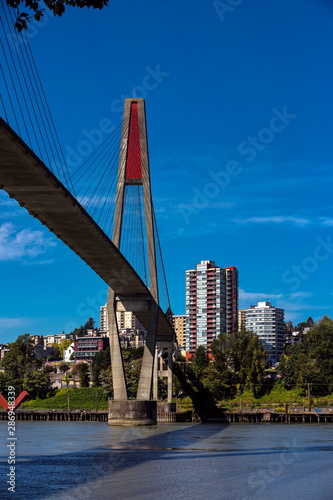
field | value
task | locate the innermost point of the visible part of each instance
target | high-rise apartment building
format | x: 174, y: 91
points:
x: 211, y: 304
x: 267, y: 322
x: 179, y: 325
x: 231, y: 299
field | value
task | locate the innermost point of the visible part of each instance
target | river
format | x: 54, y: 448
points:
x: 90, y: 460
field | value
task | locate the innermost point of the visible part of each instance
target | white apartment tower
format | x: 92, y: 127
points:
x: 126, y: 321
x: 211, y: 304
x: 267, y: 322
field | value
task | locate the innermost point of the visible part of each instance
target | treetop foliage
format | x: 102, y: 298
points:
x: 312, y: 360
x: 57, y: 7
x: 83, y: 330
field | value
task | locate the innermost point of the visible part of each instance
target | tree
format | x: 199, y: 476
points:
x: 36, y: 383
x: 310, y: 322
x: 242, y: 355
x: 18, y: 360
x: 82, y: 369
x: 83, y: 330
x: 64, y: 367
x: 132, y: 363
x: 56, y: 352
x: 57, y: 7
x: 312, y: 361
x: 132, y: 373
x: 101, y: 361
x: 199, y: 361
x: 105, y: 382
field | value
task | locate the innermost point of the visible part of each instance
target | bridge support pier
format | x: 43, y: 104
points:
x: 132, y: 412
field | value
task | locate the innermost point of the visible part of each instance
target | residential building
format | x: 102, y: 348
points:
x: 86, y: 347
x: 241, y: 319
x: 130, y: 338
x: 55, y: 339
x: 4, y: 348
x: 68, y: 353
x: 211, y: 304
x: 231, y: 299
x: 267, y: 322
x: 36, y: 339
x: 179, y: 325
x: 126, y: 321
x: 103, y: 319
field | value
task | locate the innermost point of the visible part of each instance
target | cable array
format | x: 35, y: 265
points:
x: 23, y: 101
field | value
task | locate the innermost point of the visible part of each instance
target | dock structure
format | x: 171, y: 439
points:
x: 59, y: 415
x: 166, y: 416
x: 274, y: 417
x: 87, y: 416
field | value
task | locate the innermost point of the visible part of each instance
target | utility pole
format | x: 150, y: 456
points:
x: 309, y: 398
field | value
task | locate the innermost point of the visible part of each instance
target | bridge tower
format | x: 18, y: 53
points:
x: 134, y: 170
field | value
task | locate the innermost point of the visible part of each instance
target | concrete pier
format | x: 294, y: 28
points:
x: 132, y: 412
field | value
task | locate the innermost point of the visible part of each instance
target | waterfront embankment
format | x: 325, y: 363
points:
x: 254, y: 416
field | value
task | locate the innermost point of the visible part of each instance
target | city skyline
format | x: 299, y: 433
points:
x: 239, y: 128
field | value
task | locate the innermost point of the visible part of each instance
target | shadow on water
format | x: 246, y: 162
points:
x: 73, y: 475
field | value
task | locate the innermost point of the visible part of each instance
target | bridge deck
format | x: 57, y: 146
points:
x: 26, y: 179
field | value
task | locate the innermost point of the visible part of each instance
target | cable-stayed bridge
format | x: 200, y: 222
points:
x: 114, y: 232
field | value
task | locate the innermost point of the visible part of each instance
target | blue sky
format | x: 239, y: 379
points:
x: 239, y: 111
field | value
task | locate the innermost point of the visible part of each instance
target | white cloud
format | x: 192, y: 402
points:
x: 300, y: 295
x: 282, y: 219
x: 254, y: 297
x: 278, y: 219
x: 9, y: 215
x: 15, y: 245
x: 326, y: 221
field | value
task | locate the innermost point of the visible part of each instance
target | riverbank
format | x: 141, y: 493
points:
x: 221, y: 416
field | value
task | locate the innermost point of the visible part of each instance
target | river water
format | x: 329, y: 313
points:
x: 90, y: 460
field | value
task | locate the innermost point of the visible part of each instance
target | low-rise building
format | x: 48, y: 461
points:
x: 55, y: 339
x: 86, y: 347
x: 132, y: 338
x: 68, y: 353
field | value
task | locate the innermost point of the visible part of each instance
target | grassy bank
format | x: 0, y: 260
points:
x: 277, y: 398
x: 85, y: 398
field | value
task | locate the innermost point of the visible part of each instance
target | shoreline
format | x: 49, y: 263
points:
x: 174, y: 417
